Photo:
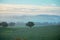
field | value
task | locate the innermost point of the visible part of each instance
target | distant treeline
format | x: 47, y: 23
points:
x: 5, y: 24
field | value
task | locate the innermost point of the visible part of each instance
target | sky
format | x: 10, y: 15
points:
x: 27, y: 7
x: 32, y: 2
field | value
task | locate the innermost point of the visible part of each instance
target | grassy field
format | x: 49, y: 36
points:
x: 35, y: 33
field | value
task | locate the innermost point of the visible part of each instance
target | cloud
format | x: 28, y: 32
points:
x: 28, y: 9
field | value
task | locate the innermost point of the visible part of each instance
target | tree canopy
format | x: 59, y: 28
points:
x: 30, y: 24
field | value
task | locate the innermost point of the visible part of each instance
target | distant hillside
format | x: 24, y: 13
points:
x: 34, y: 18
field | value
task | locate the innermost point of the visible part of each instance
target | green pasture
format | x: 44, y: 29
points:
x: 35, y: 33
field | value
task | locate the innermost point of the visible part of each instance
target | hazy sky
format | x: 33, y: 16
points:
x: 32, y: 2
x: 27, y: 7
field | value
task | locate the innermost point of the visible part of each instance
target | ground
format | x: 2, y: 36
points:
x: 35, y: 33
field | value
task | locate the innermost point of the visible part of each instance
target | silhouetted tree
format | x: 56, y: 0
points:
x: 4, y: 24
x: 11, y: 24
x: 30, y: 24
x: 0, y: 24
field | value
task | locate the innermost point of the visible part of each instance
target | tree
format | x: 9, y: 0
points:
x: 11, y: 24
x: 4, y: 24
x: 0, y: 24
x: 30, y: 24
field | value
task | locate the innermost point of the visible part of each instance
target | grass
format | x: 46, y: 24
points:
x: 35, y: 33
